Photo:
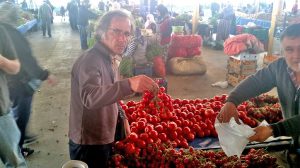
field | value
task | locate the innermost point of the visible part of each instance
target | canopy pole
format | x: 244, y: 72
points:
x: 276, y: 12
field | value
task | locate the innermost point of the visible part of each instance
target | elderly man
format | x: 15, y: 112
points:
x: 96, y: 89
x: 284, y: 74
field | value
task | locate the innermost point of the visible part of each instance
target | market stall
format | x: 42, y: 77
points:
x: 27, y: 26
x: 180, y: 133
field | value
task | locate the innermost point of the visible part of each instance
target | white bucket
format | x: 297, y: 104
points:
x: 75, y: 164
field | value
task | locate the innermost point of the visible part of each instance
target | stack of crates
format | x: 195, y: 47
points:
x: 240, y: 68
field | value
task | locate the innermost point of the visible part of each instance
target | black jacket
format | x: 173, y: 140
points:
x: 30, y: 68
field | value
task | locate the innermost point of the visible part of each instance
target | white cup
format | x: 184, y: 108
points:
x: 75, y: 164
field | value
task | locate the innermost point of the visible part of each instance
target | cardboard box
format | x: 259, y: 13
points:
x: 234, y: 79
x: 245, y: 56
x: 241, y: 67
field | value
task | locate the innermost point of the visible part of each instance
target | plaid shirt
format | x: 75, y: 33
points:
x: 293, y: 77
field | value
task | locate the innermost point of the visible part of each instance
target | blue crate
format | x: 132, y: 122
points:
x: 143, y: 70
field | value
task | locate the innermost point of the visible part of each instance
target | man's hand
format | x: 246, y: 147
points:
x: 261, y: 133
x: 142, y: 83
x: 51, y: 80
x: 228, y: 110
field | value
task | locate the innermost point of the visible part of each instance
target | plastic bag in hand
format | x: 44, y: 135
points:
x: 233, y: 137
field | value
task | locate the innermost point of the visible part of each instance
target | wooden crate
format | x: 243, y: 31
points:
x: 241, y: 67
x: 235, y: 79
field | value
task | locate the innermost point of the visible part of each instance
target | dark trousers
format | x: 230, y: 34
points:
x: 46, y: 25
x: 83, y: 36
x: 94, y: 156
x: 21, y: 110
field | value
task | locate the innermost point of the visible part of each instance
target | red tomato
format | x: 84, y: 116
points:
x: 129, y: 148
x: 133, y: 137
x: 144, y: 136
x: 159, y: 128
x: 172, y: 126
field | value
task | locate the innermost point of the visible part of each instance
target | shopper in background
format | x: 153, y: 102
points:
x: 150, y: 23
x: 101, y: 5
x: 45, y: 16
x: 295, y: 8
x: 96, y: 88
x: 284, y: 74
x: 24, y: 5
x: 73, y: 14
x: 83, y: 22
x: 165, y: 25
x: 10, y: 153
x: 62, y: 13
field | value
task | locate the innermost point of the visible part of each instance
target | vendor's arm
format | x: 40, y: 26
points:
x: 96, y: 94
x: 261, y: 82
x: 9, y: 66
x: 288, y: 127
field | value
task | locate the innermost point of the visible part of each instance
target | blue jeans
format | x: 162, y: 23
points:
x: 83, y: 36
x: 10, y: 153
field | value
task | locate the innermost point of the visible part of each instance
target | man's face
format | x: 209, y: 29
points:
x: 291, y: 50
x: 118, y: 34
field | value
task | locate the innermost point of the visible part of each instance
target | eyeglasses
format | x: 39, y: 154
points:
x: 118, y: 32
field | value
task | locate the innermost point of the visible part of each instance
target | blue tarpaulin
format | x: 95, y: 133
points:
x: 27, y: 26
x: 258, y: 22
x: 213, y: 143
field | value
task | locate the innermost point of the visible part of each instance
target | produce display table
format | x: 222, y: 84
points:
x: 258, y: 22
x: 27, y: 26
x: 213, y: 143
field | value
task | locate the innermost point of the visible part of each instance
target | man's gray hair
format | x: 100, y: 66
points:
x: 106, y: 19
x: 9, y: 13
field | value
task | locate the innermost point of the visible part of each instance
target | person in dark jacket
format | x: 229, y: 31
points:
x: 45, y: 15
x: 284, y: 74
x: 82, y: 23
x: 96, y: 88
x: 23, y: 85
x: 72, y: 7
x: 10, y: 153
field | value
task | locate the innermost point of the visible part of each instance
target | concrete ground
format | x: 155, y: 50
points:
x: 51, y: 105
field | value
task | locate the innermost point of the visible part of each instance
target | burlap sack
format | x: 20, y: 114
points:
x: 187, y: 66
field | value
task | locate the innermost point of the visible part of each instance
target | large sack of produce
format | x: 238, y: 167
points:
x: 186, y: 41
x: 177, y: 52
x: 159, y: 66
x: 193, y: 51
x: 241, y: 43
x: 187, y: 66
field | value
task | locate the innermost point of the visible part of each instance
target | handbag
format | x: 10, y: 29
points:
x: 120, y: 127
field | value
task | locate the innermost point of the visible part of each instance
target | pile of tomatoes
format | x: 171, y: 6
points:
x: 160, y: 125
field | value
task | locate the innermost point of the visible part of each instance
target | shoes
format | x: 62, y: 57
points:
x: 30, y: 139
x: 27, y: 151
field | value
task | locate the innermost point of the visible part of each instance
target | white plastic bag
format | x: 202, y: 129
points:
x: 233, y: 137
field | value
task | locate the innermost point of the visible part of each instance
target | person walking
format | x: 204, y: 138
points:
x: 45, y: 16
x: 72, y: 7
x: 10, y: 153
x: 83, y: 22
x: 62, y: 13
x: 96, y: 88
